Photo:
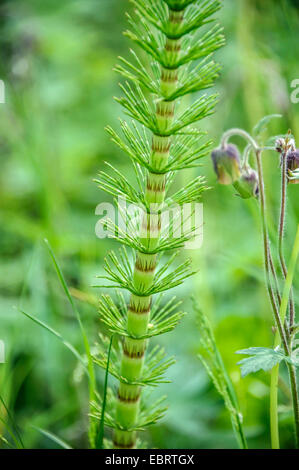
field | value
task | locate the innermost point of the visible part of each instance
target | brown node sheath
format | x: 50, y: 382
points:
x: 169, y: 76
x: 135, y: 354
x: 173, y: 46
x: 135, y: 306
x: 163, y: 111
x: 158, y: 147
x: 144, y: 267
x: 152, y: 225
x: 145, y: 311
x: 176, y: 17
x: 118, y: 445
x: 155, y: 186
x: 128, y: 400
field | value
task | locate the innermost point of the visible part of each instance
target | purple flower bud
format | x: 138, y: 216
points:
x: 248, y: 184
x: 279, y: 145
x: 293, y: 164
x: 284, y: 145
x: 226, y: 161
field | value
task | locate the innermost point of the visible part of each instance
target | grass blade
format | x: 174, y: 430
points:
x: 100, y: 436
x: 91, y: 372
x: 53, y: 438
x: 5, y: 441
x: 14, y: 425
x: 58, y: 336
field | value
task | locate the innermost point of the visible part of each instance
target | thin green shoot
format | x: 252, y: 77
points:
x: 92, y: 378
x: 53, y: 438
x: 14, y: 430
x: 58, y: 336
x: 100, y: 436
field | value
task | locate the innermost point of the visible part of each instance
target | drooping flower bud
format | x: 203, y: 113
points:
x: 284, y: 145
x: 226, y: 161
x: 280, y: 145
x: 293, y: 165
x: 248, y: 184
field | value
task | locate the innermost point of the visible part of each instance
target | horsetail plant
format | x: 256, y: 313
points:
x: 178, y: 41
x: 232, y: 169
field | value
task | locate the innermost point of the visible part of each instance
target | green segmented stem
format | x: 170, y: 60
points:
x: 138, y: 313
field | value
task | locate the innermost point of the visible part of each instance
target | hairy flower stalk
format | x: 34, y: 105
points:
x: 284, y: 161
x: 169, y: 31
x: 284, y: 334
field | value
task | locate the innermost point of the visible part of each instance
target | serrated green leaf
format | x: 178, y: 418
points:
x: 260, y: 359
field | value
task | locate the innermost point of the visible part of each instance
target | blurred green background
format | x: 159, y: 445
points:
x: 56, y: 59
